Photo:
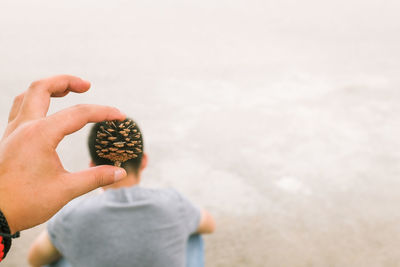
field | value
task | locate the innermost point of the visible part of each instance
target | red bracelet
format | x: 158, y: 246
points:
x: 5, y: 237
x: 1, y: 248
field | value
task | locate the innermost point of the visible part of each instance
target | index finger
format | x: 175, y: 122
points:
x: 37, y: 98
x: 74, y: 118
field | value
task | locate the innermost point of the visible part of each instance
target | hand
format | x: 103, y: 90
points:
x: 33, y: 183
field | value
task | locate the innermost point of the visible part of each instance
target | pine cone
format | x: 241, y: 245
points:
x: 118, y: 141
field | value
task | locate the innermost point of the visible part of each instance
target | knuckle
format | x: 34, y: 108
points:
x: 18, y: 99
x: 36, y: 84
x: 102, y: 176
x: 109, y: 111
x: 114, y: 110
x: 100, y: 180
x: 30, y: 129
x: 36, y: 127
x: 82, y: 107
x: 40, y: 124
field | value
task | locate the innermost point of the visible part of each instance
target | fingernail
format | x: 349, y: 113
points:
x: 119, y: 174
x: 122, y: 114
x: 85, y: 81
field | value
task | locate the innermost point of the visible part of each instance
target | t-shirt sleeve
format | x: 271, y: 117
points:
x: 55, y: 229
x: 59, y: 226
x: 191, y: 214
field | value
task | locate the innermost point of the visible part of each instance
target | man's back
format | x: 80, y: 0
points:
x: 130, y: 226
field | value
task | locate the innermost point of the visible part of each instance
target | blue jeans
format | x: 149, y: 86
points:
x: 194, y: 254
x: 195, y: 251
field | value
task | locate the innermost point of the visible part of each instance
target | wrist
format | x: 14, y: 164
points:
x: 6, y: 214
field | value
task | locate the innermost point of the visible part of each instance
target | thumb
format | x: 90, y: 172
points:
x: 92, y: 178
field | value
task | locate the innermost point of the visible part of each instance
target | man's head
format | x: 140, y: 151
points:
x: 132, y: 166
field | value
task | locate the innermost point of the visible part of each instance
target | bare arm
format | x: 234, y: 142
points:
x: 42, y: 251
x: 207, y: 223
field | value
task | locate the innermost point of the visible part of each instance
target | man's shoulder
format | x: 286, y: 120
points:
x: 145, y: 192
x: 160, y: 192
x: 137, y: 195
x: 82, y: 204
x: 118, y: 200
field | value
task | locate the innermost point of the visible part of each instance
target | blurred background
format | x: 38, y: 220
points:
x: 280, y: 117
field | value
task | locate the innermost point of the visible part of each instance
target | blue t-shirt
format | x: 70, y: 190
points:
x: 131, y: 226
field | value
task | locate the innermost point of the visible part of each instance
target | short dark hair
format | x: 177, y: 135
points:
x: 131, y: 165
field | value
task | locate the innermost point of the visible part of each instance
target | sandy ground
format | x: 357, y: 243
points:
x: 280, y: 117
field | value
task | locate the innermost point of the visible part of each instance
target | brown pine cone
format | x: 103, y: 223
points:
x: 118, y: 141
